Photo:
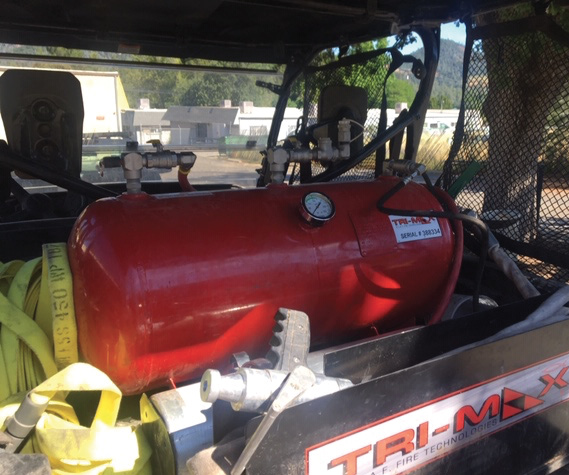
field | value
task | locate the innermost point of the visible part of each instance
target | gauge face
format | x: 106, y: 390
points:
x: 317, y: 208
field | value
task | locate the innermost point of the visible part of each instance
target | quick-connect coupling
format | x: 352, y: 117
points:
x: 252, y: 390
x: 407, y: 168
x: 25, y: 419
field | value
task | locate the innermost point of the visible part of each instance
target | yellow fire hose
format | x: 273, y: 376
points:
x: 38, y: 337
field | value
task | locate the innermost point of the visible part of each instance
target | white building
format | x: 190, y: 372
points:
x: 255, y: 121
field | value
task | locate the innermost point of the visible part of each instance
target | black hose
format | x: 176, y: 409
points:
x: 429, y: 184
x: 484, y: 238
x: 445, y: 215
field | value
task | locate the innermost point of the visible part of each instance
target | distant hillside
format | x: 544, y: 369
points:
x: 447, y: 89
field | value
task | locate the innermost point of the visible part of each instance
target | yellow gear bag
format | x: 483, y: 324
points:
x: 102, y: 448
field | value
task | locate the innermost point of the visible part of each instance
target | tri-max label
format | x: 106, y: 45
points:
x: 432, y: 430
x: 414, y: 228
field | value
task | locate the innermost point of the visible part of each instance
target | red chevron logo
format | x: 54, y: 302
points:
x: 514, y: 403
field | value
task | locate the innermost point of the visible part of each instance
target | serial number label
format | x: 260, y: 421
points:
x: 415, y: 228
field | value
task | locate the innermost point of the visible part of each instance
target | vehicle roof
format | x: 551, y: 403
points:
x: 268, y: 31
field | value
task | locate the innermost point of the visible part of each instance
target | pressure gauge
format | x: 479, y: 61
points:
x: 316, y: 208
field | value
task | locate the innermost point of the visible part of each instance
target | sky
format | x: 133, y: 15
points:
x: 449, y: 31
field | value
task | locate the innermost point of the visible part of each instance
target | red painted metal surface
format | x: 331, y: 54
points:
x: 168, y: 286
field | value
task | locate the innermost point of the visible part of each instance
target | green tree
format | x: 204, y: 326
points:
x: 166, y: 88
x: 440, y: 101
x: 161, y: 87
x: 211, y: 88
x: 399, y: 90
x: 367, y: 74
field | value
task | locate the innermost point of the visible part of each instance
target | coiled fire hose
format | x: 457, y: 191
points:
x: 38, y: 337
x: 30, y: 353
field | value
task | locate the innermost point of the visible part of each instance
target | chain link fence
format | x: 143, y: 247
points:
x: 513, y: 131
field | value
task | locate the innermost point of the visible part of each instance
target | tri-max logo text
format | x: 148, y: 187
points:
x: 415, y: 228
x: 399, y: 221
x: 432, y: 430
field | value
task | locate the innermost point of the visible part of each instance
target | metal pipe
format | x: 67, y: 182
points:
x: 513, y: 272
x: 553, y: 305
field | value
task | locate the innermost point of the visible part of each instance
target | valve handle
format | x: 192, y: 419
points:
x: 156, y: 144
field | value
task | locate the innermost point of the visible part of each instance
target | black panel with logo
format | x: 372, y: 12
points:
x: 432, y: 402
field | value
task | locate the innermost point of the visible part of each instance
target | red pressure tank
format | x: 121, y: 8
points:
x: 167, y: 286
